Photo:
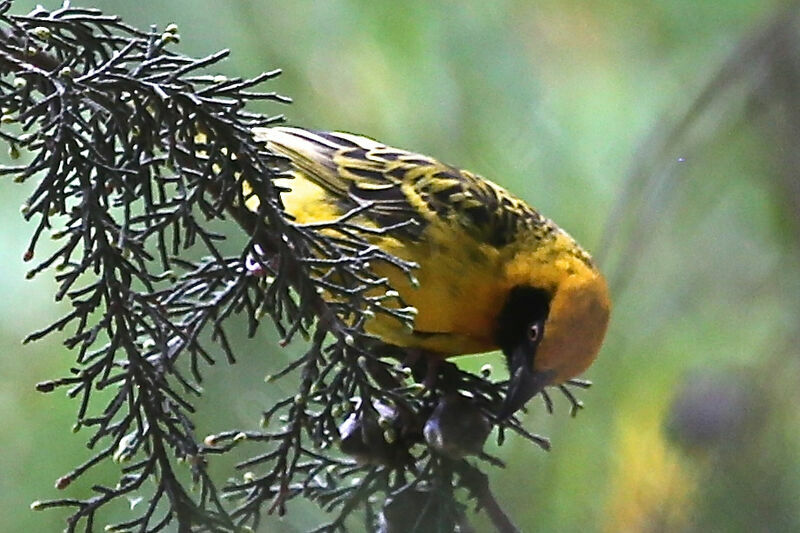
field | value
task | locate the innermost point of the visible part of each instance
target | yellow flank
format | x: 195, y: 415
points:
x: 473, y: 241
x: 457, y: 302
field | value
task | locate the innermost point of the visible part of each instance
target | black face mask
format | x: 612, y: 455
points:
x: 520, y: 329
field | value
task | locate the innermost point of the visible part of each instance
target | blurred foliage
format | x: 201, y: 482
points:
x: 558, y: 101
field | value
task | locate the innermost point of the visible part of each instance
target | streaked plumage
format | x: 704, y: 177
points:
x: 490, y: 266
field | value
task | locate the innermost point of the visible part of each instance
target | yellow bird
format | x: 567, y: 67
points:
x: 493, y: 273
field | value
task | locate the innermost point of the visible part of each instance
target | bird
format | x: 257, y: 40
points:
x: 492, y: 272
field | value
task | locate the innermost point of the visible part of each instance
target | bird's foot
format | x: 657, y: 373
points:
x: 423, y: 364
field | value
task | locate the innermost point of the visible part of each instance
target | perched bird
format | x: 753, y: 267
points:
x: 493, y: 273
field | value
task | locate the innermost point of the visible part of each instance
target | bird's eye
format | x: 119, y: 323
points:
x: 535, y: 332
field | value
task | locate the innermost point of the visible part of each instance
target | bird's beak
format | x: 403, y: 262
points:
x: 525, y: 382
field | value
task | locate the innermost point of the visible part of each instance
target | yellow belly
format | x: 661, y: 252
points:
x: 459, y: 293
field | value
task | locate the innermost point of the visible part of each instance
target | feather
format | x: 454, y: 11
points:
x: 402, y: 185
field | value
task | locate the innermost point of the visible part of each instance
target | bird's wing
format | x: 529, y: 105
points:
x: 398, y: 186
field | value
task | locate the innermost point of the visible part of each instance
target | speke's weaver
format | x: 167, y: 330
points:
x: 493, y: 273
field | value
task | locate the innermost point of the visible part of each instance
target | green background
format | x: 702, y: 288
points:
x: 693, y: 422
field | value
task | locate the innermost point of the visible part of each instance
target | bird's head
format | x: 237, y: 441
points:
x: 554, y: 319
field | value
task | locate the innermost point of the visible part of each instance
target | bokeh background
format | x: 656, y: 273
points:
x: 665, y: 136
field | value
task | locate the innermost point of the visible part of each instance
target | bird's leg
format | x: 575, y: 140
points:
x: 415, y: 357
x: 412, y: 357
x: 433, y: 362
